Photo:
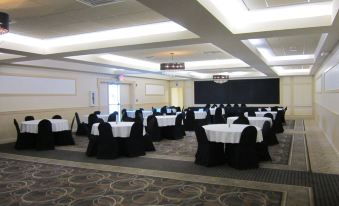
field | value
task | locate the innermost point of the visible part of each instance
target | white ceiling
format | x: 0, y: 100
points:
x: 262, y: 4
x: 208, y: 40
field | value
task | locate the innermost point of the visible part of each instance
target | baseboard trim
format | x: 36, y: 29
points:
x: 7, y: 140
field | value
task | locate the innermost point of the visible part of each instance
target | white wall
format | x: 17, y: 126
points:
x: 45, y: 106
x: 326, y: 103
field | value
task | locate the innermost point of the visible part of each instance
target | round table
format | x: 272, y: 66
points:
x: 145, y: 114
x: 119, y: 129
x: 164, y: 120
x: 261, y: 114
x: 227, y: 133
x: 254, y: 121
x: 58, y: 125
x: 101, y: 116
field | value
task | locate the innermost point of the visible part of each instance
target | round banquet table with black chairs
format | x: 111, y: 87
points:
x: 228, y: 133
x: 84, y: 118
x: 262, y: 113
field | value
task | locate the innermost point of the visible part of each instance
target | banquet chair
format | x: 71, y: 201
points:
x: 45, y: 138
x: 235, y: 106
x: 269, y: 134
x: 29, y: 118
x: 82, y: 127
x: 112, y: 117
x: 262, y: 147
x: 124, y: 117
x: 179, y: 130
x: 221, y: 106
x: 163, y: 110
x: 243, y: 105
x: 92, y: 118
x: 243, y: 155
x: 139, y: 116
x: 277, y: 124
x: 274, y: 109
x: 263, y: 109
x: 24, y: 140
x: 269, y: 115
x: 189, y: 121
x: 97, y: 112
x: 251, y: 113
x: 208, y: 153
x: 153, y: 129
x: 228, y: 105
x: 214, y: 106
x: 208, y: 118
x: 283, y: 116
x: 134, y: 146
x: 107, y: 145
x: 241, y: 120
x: 57, y: 116
x: 218, y: 118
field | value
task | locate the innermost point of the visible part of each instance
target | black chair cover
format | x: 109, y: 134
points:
x: 278, y: 127
x: 243, y: 105
x: 153, y: 129
x: 124, y: 117
x: 24, y: 140
x: 178, y: 132
x: 263, y: 109
x: 138, y: 116
x: 262, y: 147
x: 189, y: 121
x: 45, y: 138
x: 235, y: 105
x: 244, y: 155
x: 108, y: 146
x: 57, y: 117
x: 63, y: 138
x: 134, y: 145
x: 96, y: 112
x: 113, y: 117
x: 241, y: 120
x: 208, y: 153
x: 218, y: 118
x: 29, y: 118
x: 82, y: 128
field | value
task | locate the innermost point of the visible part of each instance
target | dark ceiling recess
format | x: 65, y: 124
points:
x: 4, y: 23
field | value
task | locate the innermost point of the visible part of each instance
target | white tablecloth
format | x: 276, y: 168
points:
x: 145, y: 113
x: 254, y: 121
x: 58, y: 125
x: 227, y: 133
x: 200, y: 114
x: 84, y: 118
x: 261, y: 114
x: 164, y: 120
x: 212, y: 110
x: 122, y: 129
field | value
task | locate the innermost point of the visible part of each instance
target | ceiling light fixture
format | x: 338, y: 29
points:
x: 4, y: 23
x: 172, y: 66
x: 220, y: 79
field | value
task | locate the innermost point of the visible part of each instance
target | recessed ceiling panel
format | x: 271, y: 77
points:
x: 196, y: 52
x: 51, y: 18
x: 264, y: 4
x: 294, y: 45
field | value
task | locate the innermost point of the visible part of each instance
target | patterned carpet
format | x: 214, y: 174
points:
x: 28, y: 183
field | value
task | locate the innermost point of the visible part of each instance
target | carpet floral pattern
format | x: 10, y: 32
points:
x: 28, y: 183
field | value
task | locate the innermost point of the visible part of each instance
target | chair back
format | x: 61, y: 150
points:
x: 163, y: 110
x: 105, y: 131
x: 57, y: 117
x: 97, y: 112
x: 236, y: 106
x: 200, y: 135
x: 178, y: 120
x: 263, y: 109
x: 29, y: 118
x: 17, y: 126
x: 243, y: 105
x: 113, y: 117
x: 190, y: 115
x: 138, y: 116
x: 228, y: 105
x: 266, y: 131
x: 45, y: 128
x: 77, y: 118
x: 92, y: 118
x: 269, y: 115
x: 221, y: 106
x: 214, y: 106
x: 241, y: 120
x: 136, y: 130
x: 248, y: 136
x: 218, y: 118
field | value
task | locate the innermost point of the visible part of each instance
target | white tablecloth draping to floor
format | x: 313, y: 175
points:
x: 58, y: 125
x: 84, y: 118
x: 120, y: 129
x: 164, y: 120
x: 145, y: 114
x: 261, y: 114
x: 212, y: 110
x: 254, y: 121
x: 227, y: 133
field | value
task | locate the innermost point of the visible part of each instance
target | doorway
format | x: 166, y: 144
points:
x: 114, y: 98
x: 177, y: 97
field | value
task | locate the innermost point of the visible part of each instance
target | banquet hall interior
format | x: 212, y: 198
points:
x: 169, y: 102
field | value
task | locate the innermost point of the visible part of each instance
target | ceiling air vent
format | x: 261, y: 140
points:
x: 95, y: 3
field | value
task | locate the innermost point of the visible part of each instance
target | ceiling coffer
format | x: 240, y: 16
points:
x: 95, y: 3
